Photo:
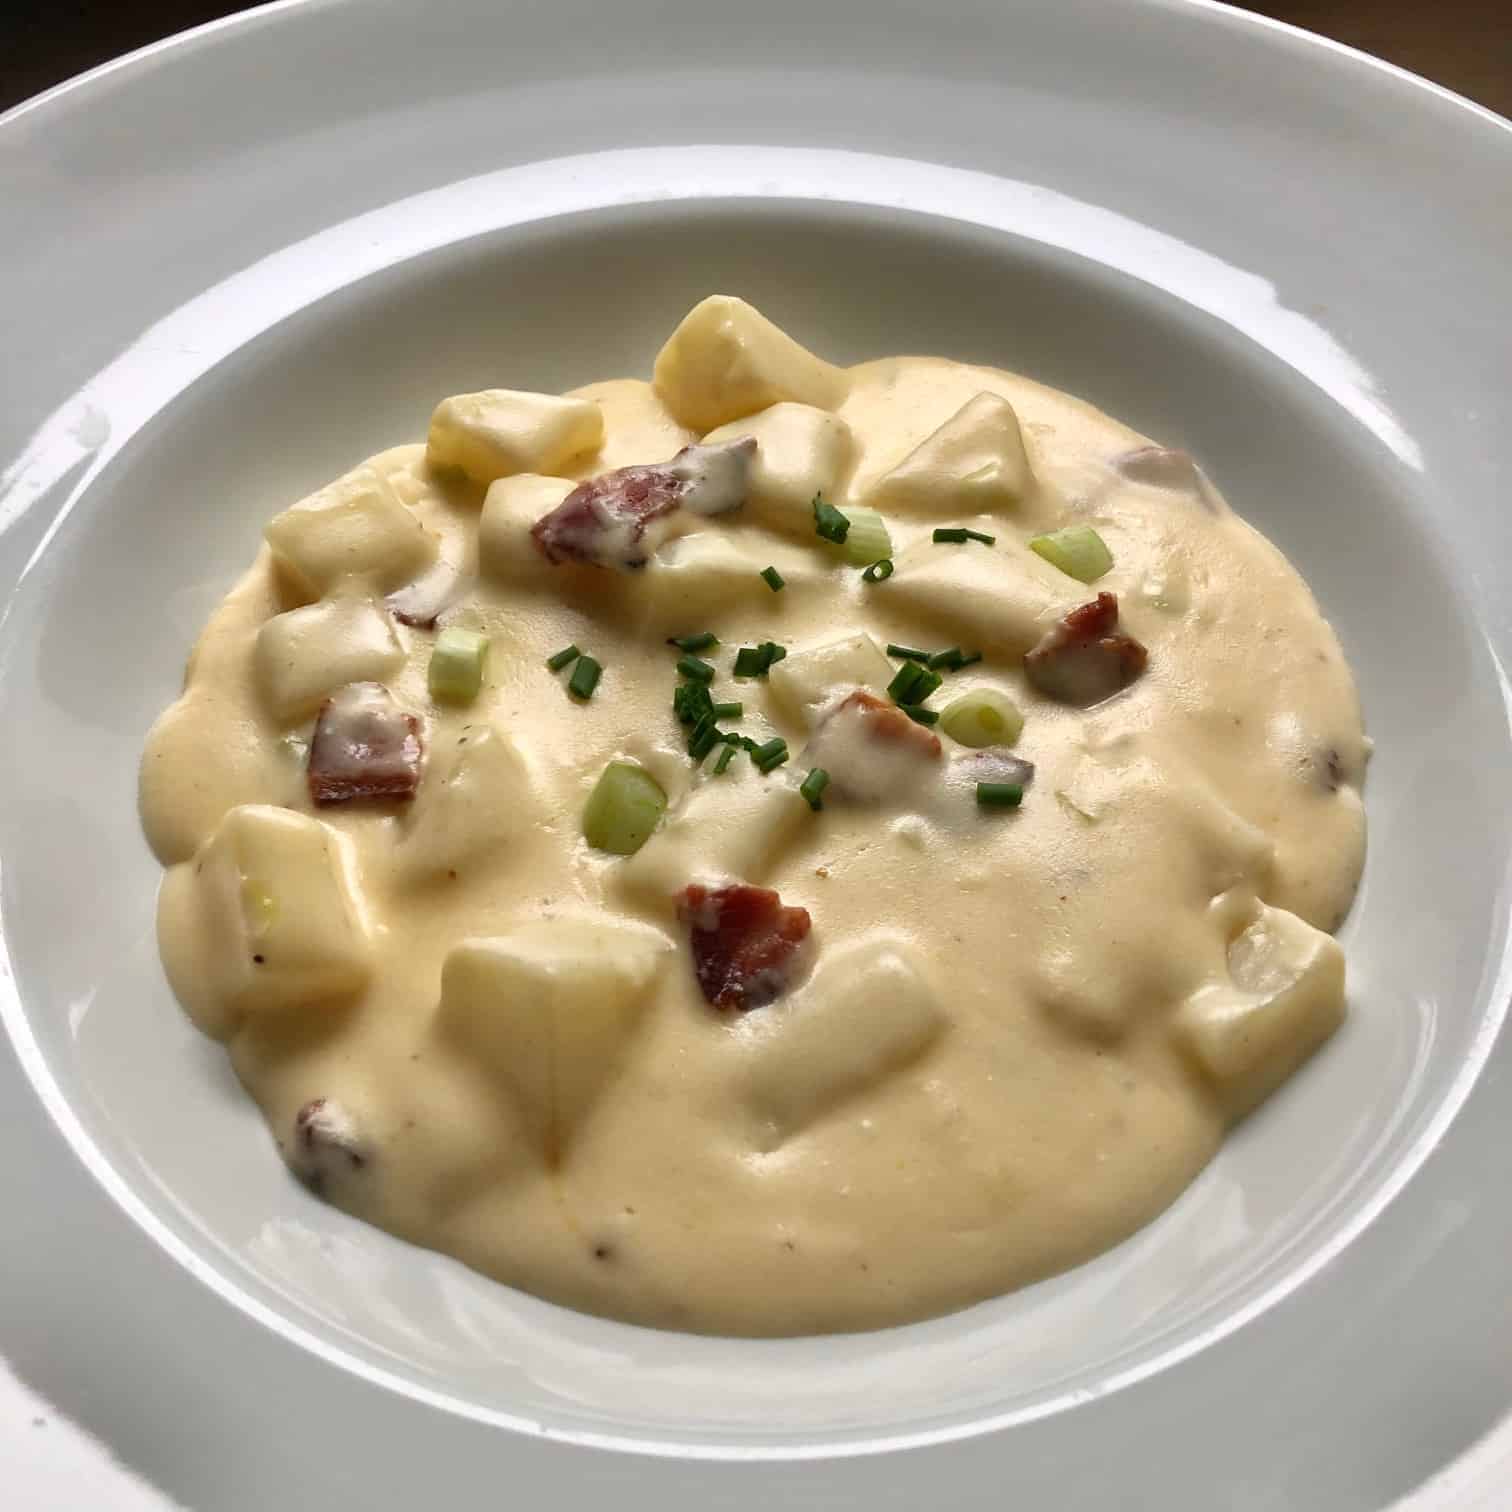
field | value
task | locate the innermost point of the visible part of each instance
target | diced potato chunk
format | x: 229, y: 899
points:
x: 805, y: 681
x: 283, y: 926
x: 354, y: 527
x: 733, y: 827
x: 704, y: 572
x: 476, y: 798
x: 306, y: 654
x: 1000, y: 600
x: 868, y: 1010
x: 800, y: 451
x: 511, y: 506
x: 550, y: 1008
x: 1285, y: 997
x: 503, y: 431
x: 974, y: 464
x: 727, y: 359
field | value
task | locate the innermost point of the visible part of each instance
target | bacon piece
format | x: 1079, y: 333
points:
x: 744, y: 940
x: 605, y: 521
x: 873, y: 752
x: 364, y: 746
x: 421, y: 603
x: 1086, y: 658
x: 326, y: 1144
x: 887, y: 722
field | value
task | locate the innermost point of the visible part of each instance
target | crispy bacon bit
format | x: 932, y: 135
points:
x: 605, y: 520
x: 423, y: 602
x: 887, y: 722
x: 743, y: 940
x: 326, y: 1144
x: 364, y: 746
x: 1086, y: 658
x: 1166, y: 467
x: 873, y: 752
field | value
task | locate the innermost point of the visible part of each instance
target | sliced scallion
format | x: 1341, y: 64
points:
x: 983, y: 718
x: 867, y: 539
x: 624, y: 807
x: 878, y: 572
x: 1077, y: 550
x: 455, y: 674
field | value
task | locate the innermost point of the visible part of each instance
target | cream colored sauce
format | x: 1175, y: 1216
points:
x: 1013, y: 1092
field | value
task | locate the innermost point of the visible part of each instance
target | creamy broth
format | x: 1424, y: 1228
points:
x: 1009, y: 1037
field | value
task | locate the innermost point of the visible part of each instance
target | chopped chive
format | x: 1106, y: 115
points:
x: 698, y: 671
x: 732, y: 738
x: 813, y: 786
x: 728, y: 710
x: 919, y: 714
x: 772, y: 754
x: 774, y: 652
x: 703, y: 740
x: 878, y: 572
x: 829, y: 522
x: 773, y: 579
x: 982, y: 536
x: 902, y: 685
x: 955, y: 534
x: 908, y: 653
x: 565, y: 655
x: 749, y: 662
x: 926, y: 685
x: 969, y: 659
x: 585, y: 677
x: 691, y: 702
x: 950, y: 660
x: 723, y: 759
x: 699, y: 642
x: 747, y: 742
x: 999, y: 794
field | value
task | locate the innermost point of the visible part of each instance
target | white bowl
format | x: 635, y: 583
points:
x: 1275, y: 253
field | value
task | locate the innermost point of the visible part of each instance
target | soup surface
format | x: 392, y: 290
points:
x: 912, y: 930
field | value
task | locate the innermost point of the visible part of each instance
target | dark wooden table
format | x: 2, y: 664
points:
x: 1464, y: 44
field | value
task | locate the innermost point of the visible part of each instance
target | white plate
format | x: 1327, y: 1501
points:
x: 234, y: 263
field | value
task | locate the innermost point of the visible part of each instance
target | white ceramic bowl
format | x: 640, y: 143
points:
x: 244, y: 260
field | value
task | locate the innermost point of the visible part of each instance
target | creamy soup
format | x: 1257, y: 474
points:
x: 772, y: 849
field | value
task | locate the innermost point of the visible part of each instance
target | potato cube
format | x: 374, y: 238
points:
x: 283, y: 925
x: 1000, y: 600
x: 808, y: 679
x: 1285, y: 997
x: 729, y: 828
x: 727, y: 359
x: 706, y: 572
x: 306, y: 654
x: 356, y: 527
x: 974, y: 464
x: 868, y: 1010
x: 550, y: 1008
x: 511, y: 506
x: 800, y: 451
x: 503, y: 431
x: 476, y: 798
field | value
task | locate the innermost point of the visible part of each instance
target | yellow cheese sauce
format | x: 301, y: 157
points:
x: 1011, y: 1036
